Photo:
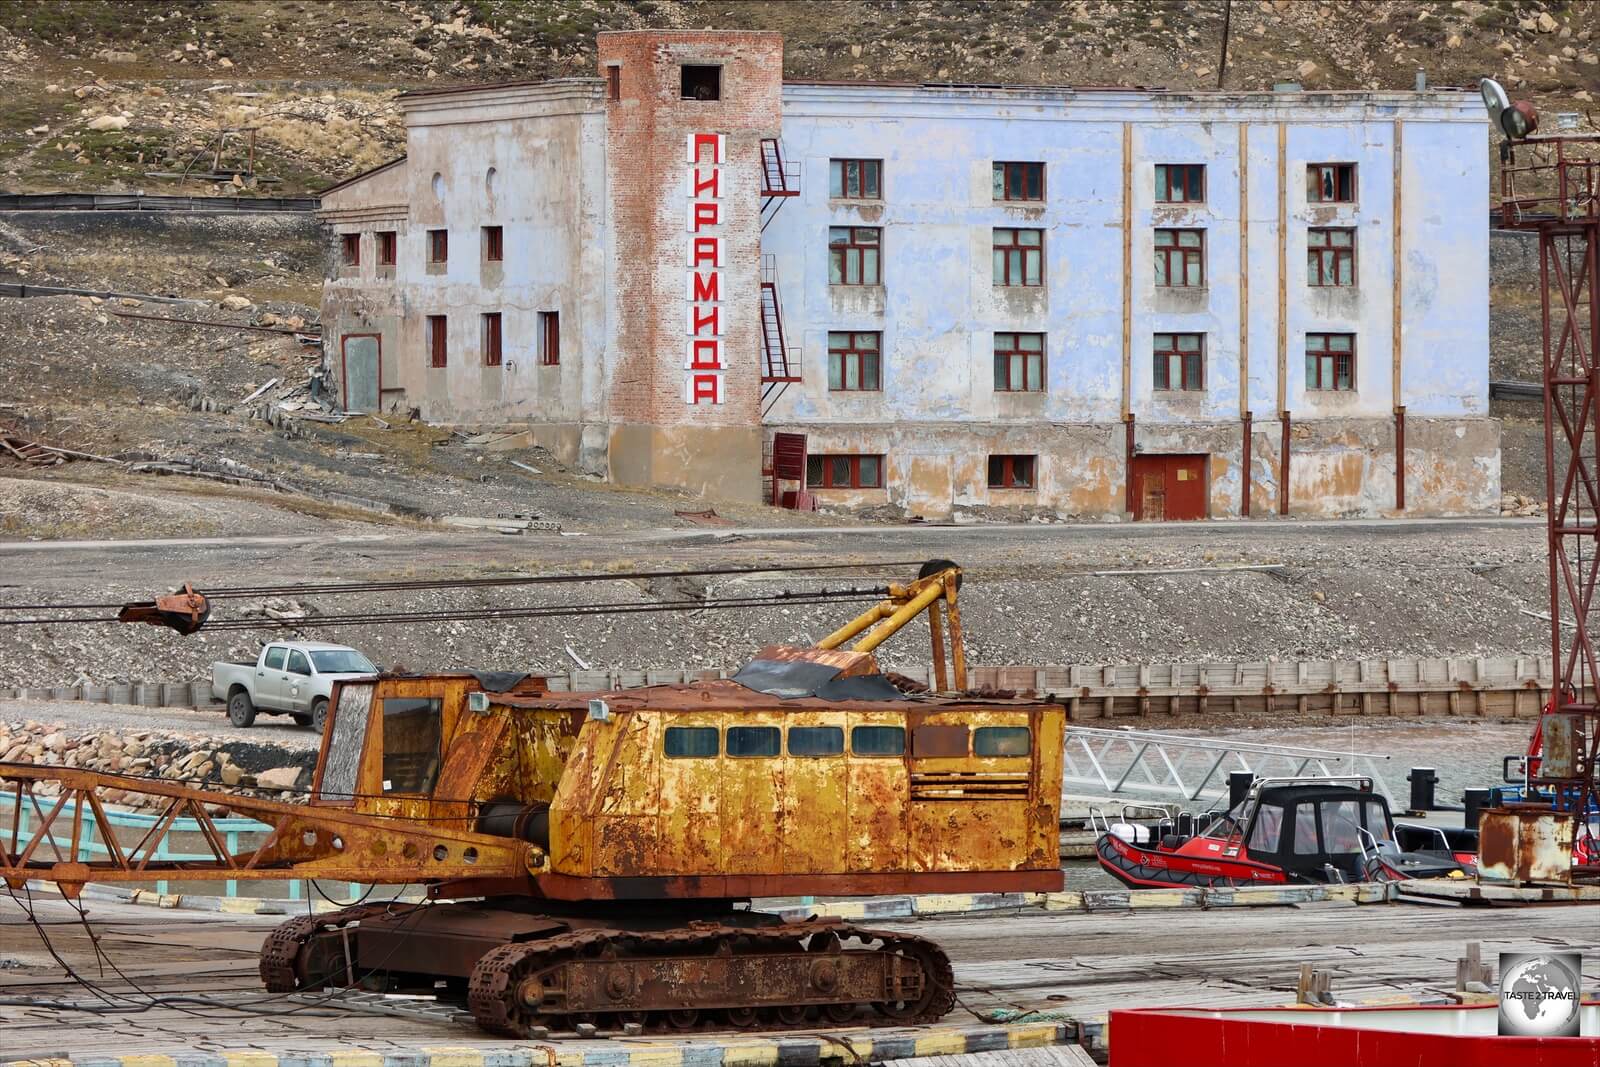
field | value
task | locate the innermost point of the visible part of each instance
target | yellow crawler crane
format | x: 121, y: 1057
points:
x: 591, y: 857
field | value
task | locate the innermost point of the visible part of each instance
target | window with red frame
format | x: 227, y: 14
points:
x: 1019, y: 181
x: 494, y: 249
x: 1180, y: 361
x: 438, y: 354
x: 1019, y: 362
x: 1180, y: 183
x: 1012, y: 472
x: 1180, y: 259
x: 438, y: 246
x: 1330, y: 257
x: 1331, y: 183
x: 855, y: 255
x: 350, y: 248
x: 549, y: 338
x: 491, y: 339
x: 854, y: 361
x: 855, y: 179
x: 1331, y: 361
x: 1018, y: 257
x: 386, y: 248
x: 844, y: 472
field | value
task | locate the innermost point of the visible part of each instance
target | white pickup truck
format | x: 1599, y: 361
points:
x: 289, y: 677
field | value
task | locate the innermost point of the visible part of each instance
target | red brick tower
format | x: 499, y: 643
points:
x: 686, y: 115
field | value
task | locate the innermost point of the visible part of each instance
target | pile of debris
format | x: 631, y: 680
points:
x: 1517, y: 504
x: 38, y: 454
x: 251, y: 769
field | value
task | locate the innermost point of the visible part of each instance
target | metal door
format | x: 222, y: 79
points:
x: 362, y: 374
x: 1150, y: 488
x: 1167, y: 488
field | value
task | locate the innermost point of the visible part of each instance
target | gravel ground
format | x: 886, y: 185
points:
x: 212, y: 723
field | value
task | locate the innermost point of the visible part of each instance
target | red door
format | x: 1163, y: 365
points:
x: 1169, y: 487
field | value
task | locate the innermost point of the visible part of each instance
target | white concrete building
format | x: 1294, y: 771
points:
x: 1031, y: 300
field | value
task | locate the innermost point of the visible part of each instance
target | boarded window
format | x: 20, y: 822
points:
x: 1330, y: 257
x: 1019, y: 362
x: 438, y: 353
x: 854, y: 361
x: 855, y: 179
x: 1019, y: 181
x: 816, y: 740
x: 614, y: 82
x: 1018, y: 257
x: 350, y: 249
x: 1180, y: 361
x: 1002, y: 741
x: 1180, y: 183
x: 855, y: 255
x: 691, y: 742
x: 1331, y: 361
x: 491, y: 339
x: 274, y: 660
x: 438, y: 246
x: 549, y: 338
x: 349, y: 735
x: 386, y: 248
x: 1012, y: 472
x: 844, y: 472
x: 700, y: 82
x: 878, y: 740
x: 494, y: 246
x: 936, y: 741
x: 1331, y: 183
x: 753, y: 741
x: 411, y: 733
x: 1180, y: 258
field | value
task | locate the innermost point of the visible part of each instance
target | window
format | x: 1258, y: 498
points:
x: 816, y: 740
x: 699, y: 82
x: 342, y: 661
x: 1305, y: 830
x: 855, y: 179
x: 691, y: 742
x: 410, y: 743
x: 491, y: 339
x: 745, y: 741
x: 386, y: 248
x: 853, y: 255
x: 350, y: 249
x: 1267, y: 829
x: 1011, y: 472
x: 844, y: 472
x: 614, y: 82
x: 438, y: 246
x: 549, y: 338
x: 939, y: 741
x: 1180, y: 258
x: 274, y: 660
x: 1180, y: 183
x: 438, y: 355
x: 853, y: 362
x: 1341, y: 826
x: 1330, y: 257
x: 298, y: 663
x: 878, y: 740
x: 1331, y: 361
x: 1331, y: 183
x: 1018, y: 257
x: 1019, y: 181
x: 1002, y: 741
x: 1378, y: 821
x: 1019, y: 362
x: 1180, y: 361
x: 494, y: 245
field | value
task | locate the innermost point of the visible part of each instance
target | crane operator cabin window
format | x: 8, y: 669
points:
x: 411, y: 734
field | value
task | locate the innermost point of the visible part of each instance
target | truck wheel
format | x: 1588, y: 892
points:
x: 241, y: 710
x: 300, y: 718
x: 319, y: 715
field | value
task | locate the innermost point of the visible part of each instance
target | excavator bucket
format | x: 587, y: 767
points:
x: 184, y: 611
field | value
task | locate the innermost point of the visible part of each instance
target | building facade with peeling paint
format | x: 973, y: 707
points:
x: 967, y: 300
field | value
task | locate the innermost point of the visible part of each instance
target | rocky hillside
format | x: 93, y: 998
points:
x: 106, y: 93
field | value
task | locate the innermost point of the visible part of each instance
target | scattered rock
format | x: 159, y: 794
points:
x: 235, y: 303
x: 108, y: 122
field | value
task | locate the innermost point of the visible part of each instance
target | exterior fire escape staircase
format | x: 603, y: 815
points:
x: 780, y: 364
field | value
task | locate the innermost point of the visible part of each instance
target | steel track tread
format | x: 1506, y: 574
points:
x: 280, y: 952
x: 491, y: 995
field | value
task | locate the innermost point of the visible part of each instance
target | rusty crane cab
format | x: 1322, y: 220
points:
x: 590, y: 856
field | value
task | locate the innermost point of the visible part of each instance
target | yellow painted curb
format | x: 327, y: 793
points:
x: 945, y: 902
x: 1066, y: 900
x: 754, y: 1054
x: 1162, y: 898
x: 238, y: 905
x: 843, y: 909
x: 147, y: 1061
x: 453, y: 1056
x: 355, y: 1058
x: 945, y: 1044
x: 1034, y: 1035
x: 250, y: 1059
x: 663, y: 1056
